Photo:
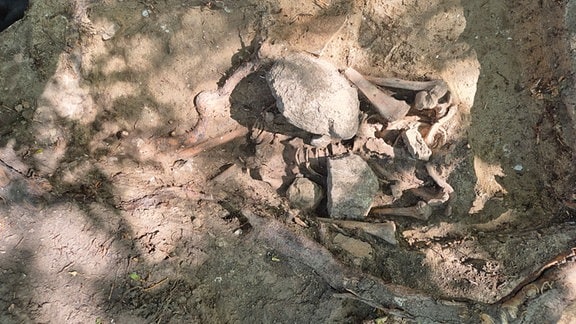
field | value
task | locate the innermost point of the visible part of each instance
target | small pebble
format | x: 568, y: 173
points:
x: 109, y: 32
x: 269, y: 117
x: 122, y: 134
x: 518, y: 167
x: 4, y: 179
x: 28, y: 114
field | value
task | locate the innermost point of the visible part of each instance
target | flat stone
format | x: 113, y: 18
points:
x: 312, y: 95
x: 352, y: 186
x: 304, y: 194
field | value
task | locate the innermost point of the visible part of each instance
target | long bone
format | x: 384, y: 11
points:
x: 215, y: 126
x: 421, y: 211
x: 386, y: 105
x: 213, y: 107
x: 385, y: 231
x: 428, y: 95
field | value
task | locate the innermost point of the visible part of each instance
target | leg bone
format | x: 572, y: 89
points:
x: 214, y: 108
x: 421, y: 211
x: 386, y: 105
x: 428, y: 95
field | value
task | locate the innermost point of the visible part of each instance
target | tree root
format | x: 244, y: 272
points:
x: 407, y: 303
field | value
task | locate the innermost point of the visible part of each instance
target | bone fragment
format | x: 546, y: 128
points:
x: 430, y: 137
x: 402, y: 181
x: 213, y: 107
x: 421, y: 211
x: 428, y: 95
x: 387, y: 106
x: 416, y: 144
x: 404, y: 123
x: 4, y: 178
x: 379, y: 146
x: 385, y: 230
x: 446, y: 187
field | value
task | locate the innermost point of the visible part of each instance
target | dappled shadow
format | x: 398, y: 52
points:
x: 87, y: 139
x: 68, y: 234
x: 83, y: 130
x: 511, y: 132
x: 491, y: 60
x: 522, y: 57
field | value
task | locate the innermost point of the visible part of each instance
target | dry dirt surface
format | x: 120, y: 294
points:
x: 124, y: 202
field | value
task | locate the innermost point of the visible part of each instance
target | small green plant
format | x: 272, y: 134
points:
x: 134, y: 276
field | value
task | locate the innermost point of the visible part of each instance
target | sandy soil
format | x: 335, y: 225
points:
x: 105, y: 219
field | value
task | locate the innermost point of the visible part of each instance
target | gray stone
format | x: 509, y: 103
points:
x: 304, y: 194
x: 352, y: 186
x: 313, y: 96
